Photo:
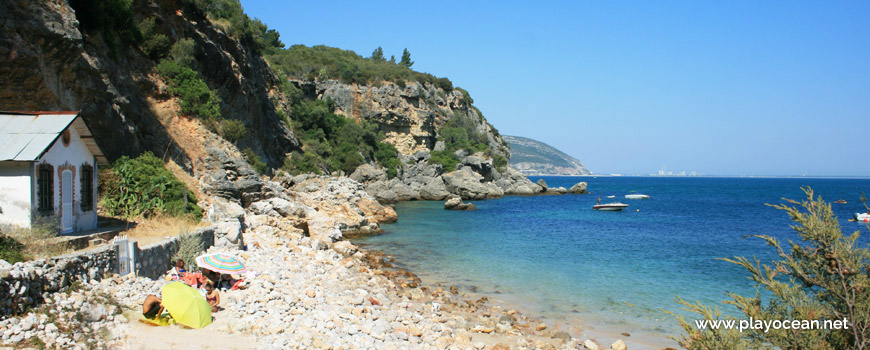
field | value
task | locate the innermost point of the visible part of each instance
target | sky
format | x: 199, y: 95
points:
x: 629, y: 87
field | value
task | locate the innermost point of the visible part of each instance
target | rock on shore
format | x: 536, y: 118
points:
x: 474, y: 178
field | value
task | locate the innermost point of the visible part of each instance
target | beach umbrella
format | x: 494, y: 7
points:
x: 221, y: 263
x: 186, y: 305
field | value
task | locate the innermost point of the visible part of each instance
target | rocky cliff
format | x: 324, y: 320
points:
x: 410, y: 116
x: 48, y: 63
x: 535, y: 158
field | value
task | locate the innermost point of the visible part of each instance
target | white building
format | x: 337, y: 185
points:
x: 48, y: 167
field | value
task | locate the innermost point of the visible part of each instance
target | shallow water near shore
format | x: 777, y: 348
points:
x: 608, y: 272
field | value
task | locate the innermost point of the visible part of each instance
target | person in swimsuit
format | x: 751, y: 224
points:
x: 152, y: 306
x: 212, y: 296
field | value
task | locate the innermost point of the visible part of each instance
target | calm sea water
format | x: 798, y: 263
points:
x: 556, y: 257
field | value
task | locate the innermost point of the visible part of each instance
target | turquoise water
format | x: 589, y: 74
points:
x: 556, y: 257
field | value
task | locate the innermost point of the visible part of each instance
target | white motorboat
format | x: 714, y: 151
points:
x: 862, y: 217
x: 636, y: 196
x: 611, y: 196
x: 616, y: 206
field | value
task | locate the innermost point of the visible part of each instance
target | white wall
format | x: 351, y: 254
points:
x: 72, y: 156
x: 15, y: 193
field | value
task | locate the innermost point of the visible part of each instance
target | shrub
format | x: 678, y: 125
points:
x: 499, y: 161
x: 255, y: 161
x: 824, y: 276
x: 155, y: 45
x: 386, y: 155
x: 142, y: 187
x: 11, y: 250
x: 233, y: 130
x: 302, y: 163
x: 194, y: 95
x: 447, y: 159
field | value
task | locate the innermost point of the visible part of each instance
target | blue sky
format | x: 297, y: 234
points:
x: 721, y: 88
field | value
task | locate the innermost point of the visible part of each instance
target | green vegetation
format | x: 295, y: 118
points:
x: 111, y: 18
x: 11, y: 249
x: 460, y: 132
x: 229, y: 15
x: 334, y: 143
x: 142, y: 187
x: 194, y: 96
x: 34, y: 242
x: 323, y: 62
x: 824, y: 276
x: 155, y: 45
x: 255, y: 161
x: 232, y: 130
x: 406, y: 59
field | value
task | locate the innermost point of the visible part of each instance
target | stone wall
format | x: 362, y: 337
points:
x: 154, y: 260
x: 24, y: 284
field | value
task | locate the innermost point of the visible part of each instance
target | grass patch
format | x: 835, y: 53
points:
x: 36, y: 242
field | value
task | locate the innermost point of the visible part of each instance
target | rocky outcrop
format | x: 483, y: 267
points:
x: 475, y: 178
x: 48, y: 63
x: 455, y: 203
x: 410, y: 115
x: 578, y: 188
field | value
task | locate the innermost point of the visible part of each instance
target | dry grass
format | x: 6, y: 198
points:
x: 40, y: 240
x: 160, y: 227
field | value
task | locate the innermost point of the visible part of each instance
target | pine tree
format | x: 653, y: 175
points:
x: 406, y: 59
x: 378, y: 54
x: 824, y: 276
x: 393, y: 59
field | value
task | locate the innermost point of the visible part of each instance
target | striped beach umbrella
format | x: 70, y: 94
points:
x: 220, y: 263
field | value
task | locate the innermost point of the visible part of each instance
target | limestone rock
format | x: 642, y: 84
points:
x: 618, y: 345
x: 578, y: 188
x: 542, y: 183
x: 367, y: 173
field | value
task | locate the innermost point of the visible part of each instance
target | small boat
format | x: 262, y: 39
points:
x: 611, y: 196
x: 636, y: 196
x: 841, y: 201
x: 862, y: 217
x: 610, y: 206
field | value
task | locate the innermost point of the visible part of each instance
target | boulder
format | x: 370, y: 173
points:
x: 557, y: 190
x: 221, y: 210
x: 434, y: 190
x: 460, y: 153
x: 422, y: 156
x: 367, y: 173
x: 345, y: 248
x: 456, y: 203
x: 439, y: 146
x: 618, y: 345
x: 578, y: 188
x: 478, y: 165
x: 468, y: 185
x: 591, y: 344
x: 542, y: 183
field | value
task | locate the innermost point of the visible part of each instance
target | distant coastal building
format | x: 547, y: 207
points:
x: 48, y: 168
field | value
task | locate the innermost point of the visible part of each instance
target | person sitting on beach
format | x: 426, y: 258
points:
x: 152, y: 306
x: 212, y: 296
x: 194, y: 279
x: 177, y: 271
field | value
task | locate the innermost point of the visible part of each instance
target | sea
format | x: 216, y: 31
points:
x: 605, y: 273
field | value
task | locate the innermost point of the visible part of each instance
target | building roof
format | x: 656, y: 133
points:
x: 27, y: 135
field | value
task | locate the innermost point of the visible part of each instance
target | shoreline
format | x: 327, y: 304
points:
x: 580, y: 327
